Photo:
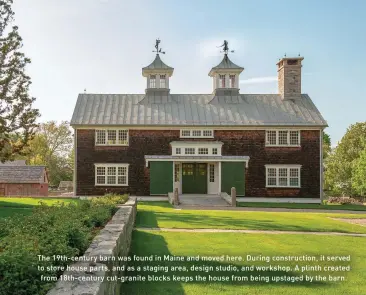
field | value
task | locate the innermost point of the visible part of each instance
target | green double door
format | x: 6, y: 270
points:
x: 194, y: 178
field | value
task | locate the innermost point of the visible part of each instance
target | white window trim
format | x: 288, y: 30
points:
x: 196, y: 145
x: 106, y: 137
x: 106, y: 168
x: 288, y: 166
x: 277, y: 138
x: 192, y: 136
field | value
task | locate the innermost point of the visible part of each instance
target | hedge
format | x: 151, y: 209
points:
x: 50, y: 230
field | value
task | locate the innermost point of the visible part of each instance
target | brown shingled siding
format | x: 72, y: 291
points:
x: 156, y: 142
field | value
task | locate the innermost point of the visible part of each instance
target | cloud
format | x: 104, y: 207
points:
x: 259, y: 80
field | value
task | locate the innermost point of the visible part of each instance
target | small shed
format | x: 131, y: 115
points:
x: 65, y: 185
x: 23, y: 180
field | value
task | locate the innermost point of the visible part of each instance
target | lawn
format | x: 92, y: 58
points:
x: 163, y: 215
x: 304, y: 206
x: 145, y: 243
x: 12, y: 206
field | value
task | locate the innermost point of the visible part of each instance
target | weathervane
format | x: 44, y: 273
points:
x: 225, y: 48
x: 158, y: 50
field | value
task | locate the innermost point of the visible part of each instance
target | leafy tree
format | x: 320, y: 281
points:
x: 340, y: 163
x: 327, y: 147
x: 17, y: 117
x: 359, y: 174
x: 52, y: 146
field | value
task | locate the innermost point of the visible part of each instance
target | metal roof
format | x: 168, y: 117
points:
x: 157, y: 64
x: 195, y: 110
x: 226, y: 63
x: 21, y: 174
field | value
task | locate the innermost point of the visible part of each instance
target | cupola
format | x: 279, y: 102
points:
x: 157, y: 74
x: 226, y: 75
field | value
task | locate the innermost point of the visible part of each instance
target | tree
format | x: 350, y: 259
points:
x: 327, y: 147
x: 359, y: 174
x: 340, y: 163
x: 52, y: 146
x: 17, y: 117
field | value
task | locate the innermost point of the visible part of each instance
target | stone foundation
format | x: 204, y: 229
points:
x: 113, y: 240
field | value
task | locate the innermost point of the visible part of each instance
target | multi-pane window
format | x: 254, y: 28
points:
x: 176, y: 172
x: 282, y: 176
x: 203, y: 151
x: 212, y: 173
x: 221, y: 81
x: 100, y: 137
x: 177, y: 151
x: 152, y: 81
x: 232, y: 81
x: 282, y: 138
x: 207, y: 133
x: 111, y: 137
x: 162, y: 81
x: 214, y: 151
x: 111, y: 174
x: 187, y: 133
x: 189, y: 151
x: 196, y: 133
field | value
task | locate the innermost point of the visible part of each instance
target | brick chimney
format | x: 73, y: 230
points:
x: 289, y: 77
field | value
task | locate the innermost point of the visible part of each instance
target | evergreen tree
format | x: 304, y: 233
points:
x: 17, y: 117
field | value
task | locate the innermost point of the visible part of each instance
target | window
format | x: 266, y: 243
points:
x: 190, y: 151
x: 212, y: 173
x: 232, y: 81
x: 283, y: 176
x: 203, y: 151
x: 207, y: 133
x: 186, y: 133
x: 111, y: 174
x: 152, y: 81
x: 214, y: 151
x: 282, y: 138
x: 162, y: 81
x: 176, y: 172
x: 111, y: 137
x: 177, y: 151
x: 196, y: 133
x: 99, y: 137
x: 221, y: 81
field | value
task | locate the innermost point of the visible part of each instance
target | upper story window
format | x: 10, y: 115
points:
x: 232, y: 81
x: 222, y: 81
x: 162, y: 81
x: 184, y: 148
x: 283, y: 175
x: 111, y: 137
x: 152, y: 81
x: 196, y: 133
x: 282, y: 138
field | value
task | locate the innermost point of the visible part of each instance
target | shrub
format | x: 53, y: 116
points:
x: 343, y: 200
x: 50, y: 230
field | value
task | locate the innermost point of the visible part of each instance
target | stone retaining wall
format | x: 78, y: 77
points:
x: 112, y: 241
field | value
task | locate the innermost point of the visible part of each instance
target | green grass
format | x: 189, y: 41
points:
x: 303, y: 206
x: 146, y: 243
x: 7, y: 212
x: 31, y: 202
x: 163, y: 215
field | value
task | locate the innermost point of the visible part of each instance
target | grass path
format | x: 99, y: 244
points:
x: 163, y: 215
x: 248, y: 231
x: 303, y: 206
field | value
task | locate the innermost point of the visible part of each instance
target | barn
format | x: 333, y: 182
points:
x: 23, y: 180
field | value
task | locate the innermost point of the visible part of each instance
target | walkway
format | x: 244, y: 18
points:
x: 213, y: 201
x: 248, y: 231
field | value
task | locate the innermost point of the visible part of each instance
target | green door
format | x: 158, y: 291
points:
x: 194, y: 178
x: 233, y: 175
x: 161, y: 178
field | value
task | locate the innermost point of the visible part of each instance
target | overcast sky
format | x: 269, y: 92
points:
x: 101, y: 45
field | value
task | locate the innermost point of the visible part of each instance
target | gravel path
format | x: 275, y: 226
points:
x: 248, y: 231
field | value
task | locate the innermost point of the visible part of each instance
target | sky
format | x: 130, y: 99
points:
x: 101, y: 46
